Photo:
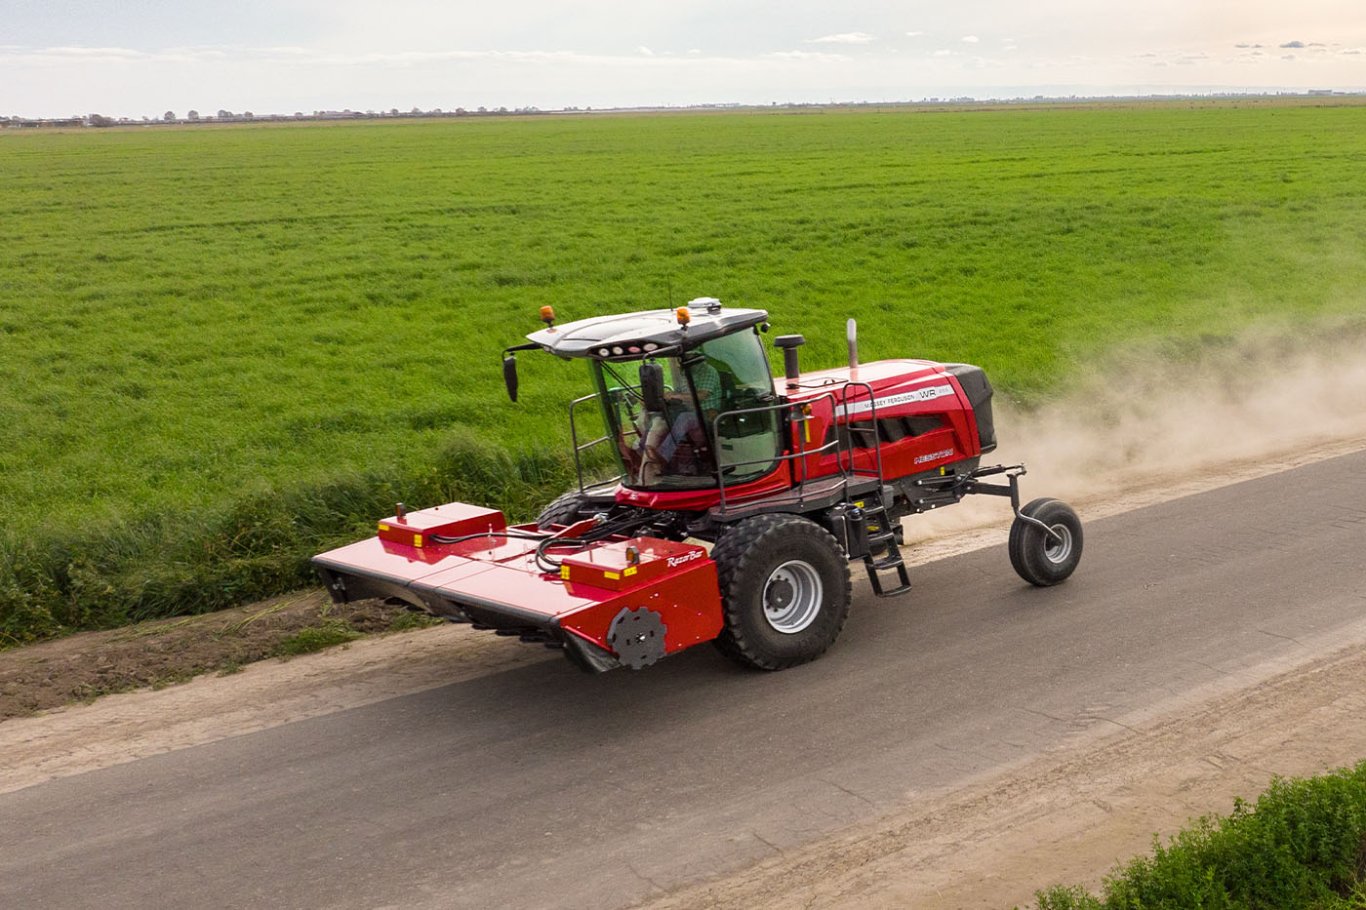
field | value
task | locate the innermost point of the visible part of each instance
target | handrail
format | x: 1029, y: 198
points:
x: 872, y: 419
x: 801, y: 452
x: 574, y: 438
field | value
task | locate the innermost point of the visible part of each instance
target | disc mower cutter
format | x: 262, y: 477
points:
x: 738, y: 506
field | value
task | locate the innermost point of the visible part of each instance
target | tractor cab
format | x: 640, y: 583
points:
x: 686, y: 395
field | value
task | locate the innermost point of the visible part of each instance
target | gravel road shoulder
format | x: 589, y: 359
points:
x: 1072, y: 815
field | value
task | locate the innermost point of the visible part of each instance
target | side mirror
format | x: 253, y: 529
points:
x: 652, y: 386
x: 510, y: 374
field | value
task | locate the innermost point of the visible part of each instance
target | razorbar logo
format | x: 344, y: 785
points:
x: 689, y: 557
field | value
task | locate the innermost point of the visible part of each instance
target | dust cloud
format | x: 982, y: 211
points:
x: 1148, y: 417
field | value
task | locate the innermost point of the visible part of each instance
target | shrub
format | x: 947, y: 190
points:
x: 1303, y: 845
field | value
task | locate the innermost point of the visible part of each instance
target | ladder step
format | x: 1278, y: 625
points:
x: 892, y: 560
x: 903, y: 583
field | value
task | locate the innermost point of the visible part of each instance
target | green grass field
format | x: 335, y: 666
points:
x: 225, y: 347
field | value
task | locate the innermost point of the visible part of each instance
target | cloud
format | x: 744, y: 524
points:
x: 970, y: 39
x: 121, y: 53
x: 914, y: 34
x: 943, y: 52
x: 1247, y: 46
x: 645, y: 51
x: 844, y: 38
x: 805, y: 55
x: 1293, y: 44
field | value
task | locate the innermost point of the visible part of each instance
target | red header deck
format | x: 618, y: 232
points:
x: 494, y: 580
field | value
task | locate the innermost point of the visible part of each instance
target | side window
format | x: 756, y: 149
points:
x: 746, y: 443
x: 739, y: 361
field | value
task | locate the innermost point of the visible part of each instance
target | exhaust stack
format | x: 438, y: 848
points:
x: 851, y: 332
x: 789, y: 344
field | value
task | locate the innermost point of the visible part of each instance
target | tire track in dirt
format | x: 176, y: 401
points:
x: 1071, y: 815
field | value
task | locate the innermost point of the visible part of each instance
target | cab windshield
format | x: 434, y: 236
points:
x: 685, y: 446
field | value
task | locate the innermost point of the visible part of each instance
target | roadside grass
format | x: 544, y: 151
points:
x: 224, y: 350
x: 412, y: 619
x: 316, y: 638
x: 1301, y: 846
x: 161, y: 653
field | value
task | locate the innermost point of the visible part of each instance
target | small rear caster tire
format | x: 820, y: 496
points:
x: 1041, y: 558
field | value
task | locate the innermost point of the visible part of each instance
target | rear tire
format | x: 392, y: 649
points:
x: 785, y: 591
x: 1039, y: 558
x: 574, y: 505
x: 562, y: 510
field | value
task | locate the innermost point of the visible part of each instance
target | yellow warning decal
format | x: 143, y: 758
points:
x: 564, y: 572
x: 631, y: 570
x: 417, y: 540
x: 611, y: 575
x: 383, y: 526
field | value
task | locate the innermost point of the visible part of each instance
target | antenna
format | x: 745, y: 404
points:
x: 669, y: 283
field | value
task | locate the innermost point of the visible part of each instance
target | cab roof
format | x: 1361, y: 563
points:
x: 631, y: 336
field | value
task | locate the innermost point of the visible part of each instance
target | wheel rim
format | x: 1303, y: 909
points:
x: 1057, y: 551
x: 792, y: 597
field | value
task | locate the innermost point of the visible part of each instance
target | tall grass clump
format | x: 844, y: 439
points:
x: 1302, y: 846
x: 173, y: 562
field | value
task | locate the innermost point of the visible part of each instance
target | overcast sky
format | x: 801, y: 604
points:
x: 143, y: 57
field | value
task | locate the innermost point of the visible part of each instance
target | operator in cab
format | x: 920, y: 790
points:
x: 680, y: 425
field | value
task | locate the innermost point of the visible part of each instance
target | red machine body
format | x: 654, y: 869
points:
x: 784, y: 483
x: 924, y: 421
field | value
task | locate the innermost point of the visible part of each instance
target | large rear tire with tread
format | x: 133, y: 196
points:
x: 573, y: 505
x: 1039, y: 558
x: 785, y: 591
x: 566, y: 509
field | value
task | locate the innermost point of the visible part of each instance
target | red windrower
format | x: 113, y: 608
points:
x: 787, y: 483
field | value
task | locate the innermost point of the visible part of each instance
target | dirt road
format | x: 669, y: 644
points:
x: 958, y: 748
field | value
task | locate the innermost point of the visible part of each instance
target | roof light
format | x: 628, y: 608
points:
x: 684, y: 317
x: 548, y: 315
